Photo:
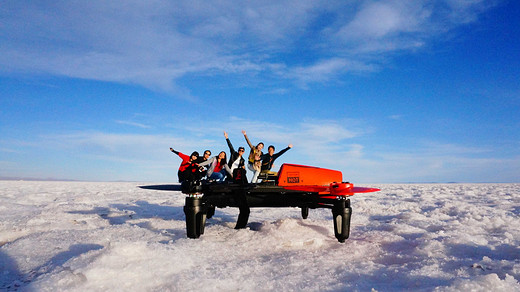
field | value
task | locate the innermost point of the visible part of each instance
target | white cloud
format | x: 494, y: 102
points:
x: 153, y: 44
x: 133, y: 124
x: 324, y: 143
x: 446, y: 167
x: 326, y: 70
x: 395, y: 117
x: 466, y: 11
x: 316, y: 142
x: 9, y: 150
x: 386, y: 18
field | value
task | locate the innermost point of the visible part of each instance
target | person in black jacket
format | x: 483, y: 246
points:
x: 270, y: 157
x: 204, y: 158
x: 235, y: 159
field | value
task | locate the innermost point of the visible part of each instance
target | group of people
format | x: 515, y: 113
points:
x: 218, y: 168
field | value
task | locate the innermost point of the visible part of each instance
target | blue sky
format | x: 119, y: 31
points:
x: 385, y: 91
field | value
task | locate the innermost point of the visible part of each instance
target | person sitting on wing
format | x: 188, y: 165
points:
x: 254, y: 161
x: 269, y: 158
x: 218, y: 167
x: 207, y: 154
x: 201, y: 159
x: 188, y: 170
x: 235, y: 160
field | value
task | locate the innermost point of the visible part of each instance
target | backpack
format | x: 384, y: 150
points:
x: 239, y: 176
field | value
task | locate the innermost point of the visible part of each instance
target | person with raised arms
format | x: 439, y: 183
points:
x: 269, y: 158
x: 188, y: 170
x: 254, y: 160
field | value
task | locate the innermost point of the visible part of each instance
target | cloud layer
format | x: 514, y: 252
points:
x: 153, y: 44
x: 97, y: 155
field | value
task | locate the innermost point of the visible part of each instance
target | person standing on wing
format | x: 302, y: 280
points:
x: 235, y: 160
x: 269, y: 158
x: 254, y: 161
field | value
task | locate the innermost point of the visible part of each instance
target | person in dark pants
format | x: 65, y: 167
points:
x: 235, y: 160
x: 188, y: 170
x: 269, y: 158
x: 218, y: 168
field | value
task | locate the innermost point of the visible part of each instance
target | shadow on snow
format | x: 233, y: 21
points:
x: 11, y: 279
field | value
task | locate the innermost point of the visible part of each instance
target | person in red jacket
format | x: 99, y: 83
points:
x: 189, y: 169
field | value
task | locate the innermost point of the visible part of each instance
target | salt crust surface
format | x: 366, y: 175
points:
x: 79, y: 236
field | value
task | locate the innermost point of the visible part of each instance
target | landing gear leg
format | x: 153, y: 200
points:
x: 341, y: 213
x: 195, y: 211
x: 305, y: 212
x: 243, y: 215
x: 211, y: 211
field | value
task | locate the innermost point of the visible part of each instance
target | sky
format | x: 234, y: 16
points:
x: 385, y: 91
